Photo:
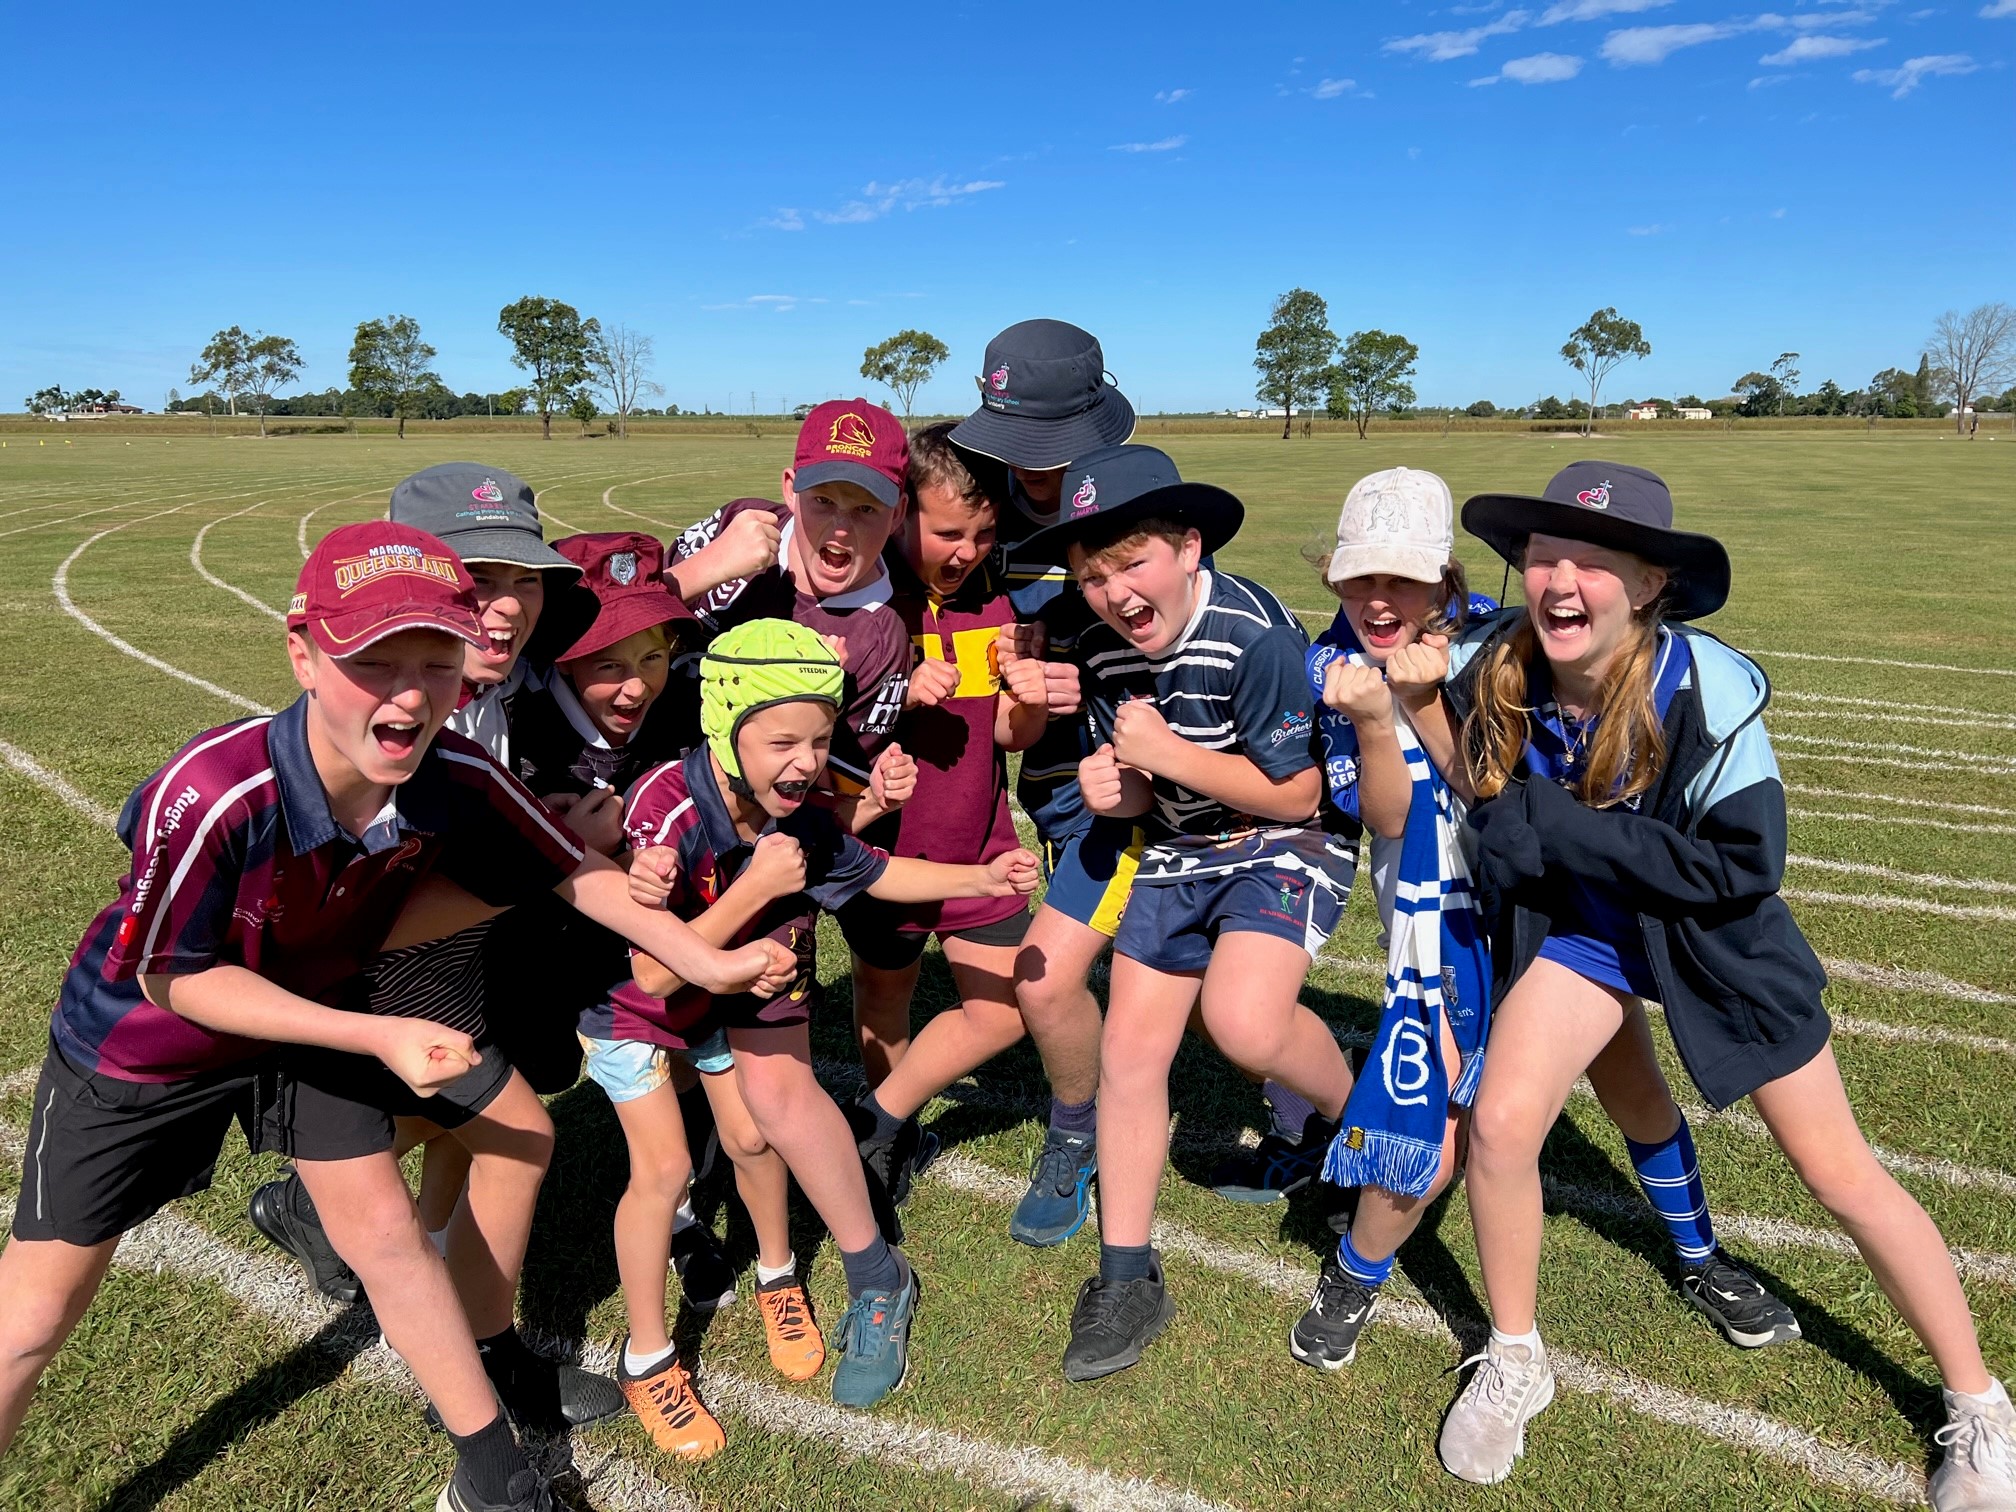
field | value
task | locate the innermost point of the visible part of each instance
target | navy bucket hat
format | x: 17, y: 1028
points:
x: 1116, y: 485
x: 1045, y: 398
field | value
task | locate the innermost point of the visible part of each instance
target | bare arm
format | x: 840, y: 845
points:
x: 907, y: 880
x: 1022, y: 708
x: 600, y: 889
x: 1237, y: 783
x: 733, y: 912
x: 1385, y: 792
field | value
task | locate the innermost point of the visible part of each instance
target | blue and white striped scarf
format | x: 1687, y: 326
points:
x: 1437, y: 963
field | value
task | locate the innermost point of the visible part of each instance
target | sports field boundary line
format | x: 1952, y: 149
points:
x: 1882, y: 706
x: 1993, y: 763
x: 1893, y: 874
x: 1902, y: 979
x: 1890, y: 903
x: 127, y: 504
x: 1997, y: 722
x: 40, y: 775
x: 1807, y: 790
x: 1908, y: 821
x: 610, y: 504
x: 196, y: 561
x: 1877, y: 661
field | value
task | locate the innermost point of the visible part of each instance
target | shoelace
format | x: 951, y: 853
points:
x: 1114, y: 1306
x: 861, y: 1322
x: 787, y: 1312
x: 1334, y: 1293
x: 673, y: 1396
x: 1984, y: 1443
x: 1730, y: 1279
x: 1058, y: 1164
x: 1493, y: 1382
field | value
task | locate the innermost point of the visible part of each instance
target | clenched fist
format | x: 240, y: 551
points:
x: 425, y: 1056
x: 1099, y: 781
x: 1014, y: 873
x: 931, y: 683
x: 893, y: 778
x: 654, y: 870
x: 1022, y: 642
x: 1141, y: 736
x: 596, y: 817
x: 1358, y: 692
x: 762, y: 967
x: 1025, y: 682
x: 776, y: 866
x: 1415, y: 672
x: 749, y: 543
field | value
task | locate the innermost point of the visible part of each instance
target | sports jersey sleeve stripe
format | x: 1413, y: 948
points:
x: 526, y: 803
x: 164, y: 907
x: 171, y: 774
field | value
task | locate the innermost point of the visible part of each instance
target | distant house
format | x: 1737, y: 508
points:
x: 1243, y: 414
x: 1695, y: 412
x: 1649, y: 410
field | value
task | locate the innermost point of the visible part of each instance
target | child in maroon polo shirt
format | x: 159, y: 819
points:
x: 270, y: 859
x: 969, y: 705
x: 817, y: 559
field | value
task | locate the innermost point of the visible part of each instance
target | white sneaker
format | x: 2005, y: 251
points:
x: 1486, y: 1428
x: 1979, y: 1471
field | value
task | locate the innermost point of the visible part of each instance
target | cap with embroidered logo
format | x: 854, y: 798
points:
x: 1046, y: 398
x: 485, y: 514
x: 852, y: 441
x: 364, y: 582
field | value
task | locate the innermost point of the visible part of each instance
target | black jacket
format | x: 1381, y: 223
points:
x: 1700, y: 862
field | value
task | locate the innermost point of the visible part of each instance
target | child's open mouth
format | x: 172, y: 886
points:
x: 1138, y: 621
x: 1564, y: 623
x: 1382, y: 631
x: 499, y: 647
x: 837, y: 560
x: 396, y: 738
x: 791, y: 792
x: 626, y: 719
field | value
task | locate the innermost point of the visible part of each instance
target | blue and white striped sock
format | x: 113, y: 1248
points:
x: 1365, y: 1272
x: 1670, y: 1176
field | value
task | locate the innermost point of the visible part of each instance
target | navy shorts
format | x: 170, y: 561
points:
x: 1090, y: 873
x: 1173, y: 926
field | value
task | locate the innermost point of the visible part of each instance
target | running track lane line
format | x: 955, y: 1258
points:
x: 60, y: 586
x: 196, y: 561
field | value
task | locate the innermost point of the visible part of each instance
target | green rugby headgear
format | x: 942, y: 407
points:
x: 754, y: 667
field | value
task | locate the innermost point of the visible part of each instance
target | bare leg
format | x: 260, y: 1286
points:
x: 1144, y: 1027
x: 1386, y: 1220
x: 805, y: 1126
x: 1629, y: 1084
x: 45, y: 1288
x: 1809, y: 1115
x: 1051, y: 968
x: 510, y: 1144
x: 961, y: 1039
x: 1252, y: 1014
x: 882, y: 1016
x: 370, y: 1218
x: 760, y: 1176
x: 1551, y: 1025
x: 660, y: 1168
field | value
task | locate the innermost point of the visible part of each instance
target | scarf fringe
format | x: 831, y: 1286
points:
x: 1394, y: 1162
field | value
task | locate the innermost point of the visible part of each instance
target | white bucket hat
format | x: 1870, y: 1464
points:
x: 1401, y: 522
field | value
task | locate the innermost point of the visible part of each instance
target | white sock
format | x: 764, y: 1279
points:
x: 440, y: 1238
x: 636, y: 1364
x: 765, y: 1275
x: 1993, y: 1396
x: 1531, y: 1339
x: 685, y: 1218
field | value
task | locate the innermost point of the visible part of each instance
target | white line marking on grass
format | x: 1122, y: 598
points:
x: 126, y: 504
x: 1908, y: 820
x: 42, y: 777
x: 1861, y: 716
x: 1890, y: 903
x: 1896, y: 978
x: 1922, y: 1034
x: 1781, y: 696
x: 196, y: 561
x: 60, y: 586
x: 1891, y: 874
x: 1871, y: 661
x: 609, y: 503
x: 301, y: 526
x: 1988, y: 761
x: 1806, y: 790
x: 1794, y: 1447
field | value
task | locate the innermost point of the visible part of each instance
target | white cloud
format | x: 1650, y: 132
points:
x: 1655, y: 44
x: 1440, y: 47
x: 1171, y: 96
x: 1595, y: 10
x: 1811, y: 49
x: 1542, y: 68
x: 784, y: 220
x: 1329, y: 89
x: 1765, y: 81
x: 1901, y: 81
x: 1995, y: 10
x: 1167, y: 144
x: 878, y: 199
x: 1779, y: 213
x: 781, y: 303
x: 1651, y: 230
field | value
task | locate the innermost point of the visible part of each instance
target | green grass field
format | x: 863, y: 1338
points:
x: 138, y: 588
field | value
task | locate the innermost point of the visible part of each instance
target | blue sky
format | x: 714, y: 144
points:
x: 767, y: 199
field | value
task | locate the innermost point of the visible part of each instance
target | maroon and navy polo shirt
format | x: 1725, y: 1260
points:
x: 237, y: 861
x: 878, y: 648
x: 959, y: 813
x: 680, y: 805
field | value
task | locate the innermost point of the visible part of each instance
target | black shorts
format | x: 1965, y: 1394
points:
x: 324, y: 1105
x: 105, y: 1155
x: 870, y: 928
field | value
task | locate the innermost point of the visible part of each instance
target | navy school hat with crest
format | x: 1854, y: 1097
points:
x: 1110, y: 488
x: 1616, y: 505
x: 1046, y: 398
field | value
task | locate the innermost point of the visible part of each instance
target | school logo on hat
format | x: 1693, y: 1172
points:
x: 391, y: 560
x: 851, y: 436
x: 1595, y: 498
x: 623, y: 567
x: 487, y: 492
x: 367, y: 581
x: 998, y: 379
x: 1087, y: 497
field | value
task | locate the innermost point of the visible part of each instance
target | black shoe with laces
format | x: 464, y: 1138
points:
x: 529, y: 1492
x: 705, y: 1276
x: 1737, y: 1302
x: 543, y: 1394
x: 1276, y: 1167
x: 894, y: 1161
x: 283, y: 1211
x: 1112, y: 1323
x: 1326, y: 1336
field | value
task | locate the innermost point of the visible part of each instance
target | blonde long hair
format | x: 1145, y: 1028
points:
x: 1629, y: 749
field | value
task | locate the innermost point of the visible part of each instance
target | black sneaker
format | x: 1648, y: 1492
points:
x: 1737, y: 1303
x: 543, y: 1394
x: 1276, y: 1167
x: 1112, y: 1324
x: 529, y: 1492
x: 285, y: 1214
x: 895, y: 1162
x: 1326, y: 1336
x: 705, y: 1275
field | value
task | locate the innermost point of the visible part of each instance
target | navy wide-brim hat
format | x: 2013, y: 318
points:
x: 1615, y: 505
x: 1116, y: 485
x: 1045, y: 398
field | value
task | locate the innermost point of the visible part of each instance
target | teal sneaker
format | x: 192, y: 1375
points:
x: 875, y: 1343
x: 1060, y: 1191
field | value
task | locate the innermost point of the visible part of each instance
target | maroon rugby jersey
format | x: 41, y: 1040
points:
x: 878, y: 649
x: 237, y: 861
x: 959, y: 813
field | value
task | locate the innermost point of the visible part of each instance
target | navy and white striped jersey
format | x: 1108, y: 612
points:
x: 1232, y: 681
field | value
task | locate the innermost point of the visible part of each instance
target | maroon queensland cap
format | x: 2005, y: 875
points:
x: 625, y: 570
x: 853, y: 441
x: 365, y: 582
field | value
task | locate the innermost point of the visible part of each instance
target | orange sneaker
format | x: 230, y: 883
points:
x: 796, y: 1349
x: 671, y: 1410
